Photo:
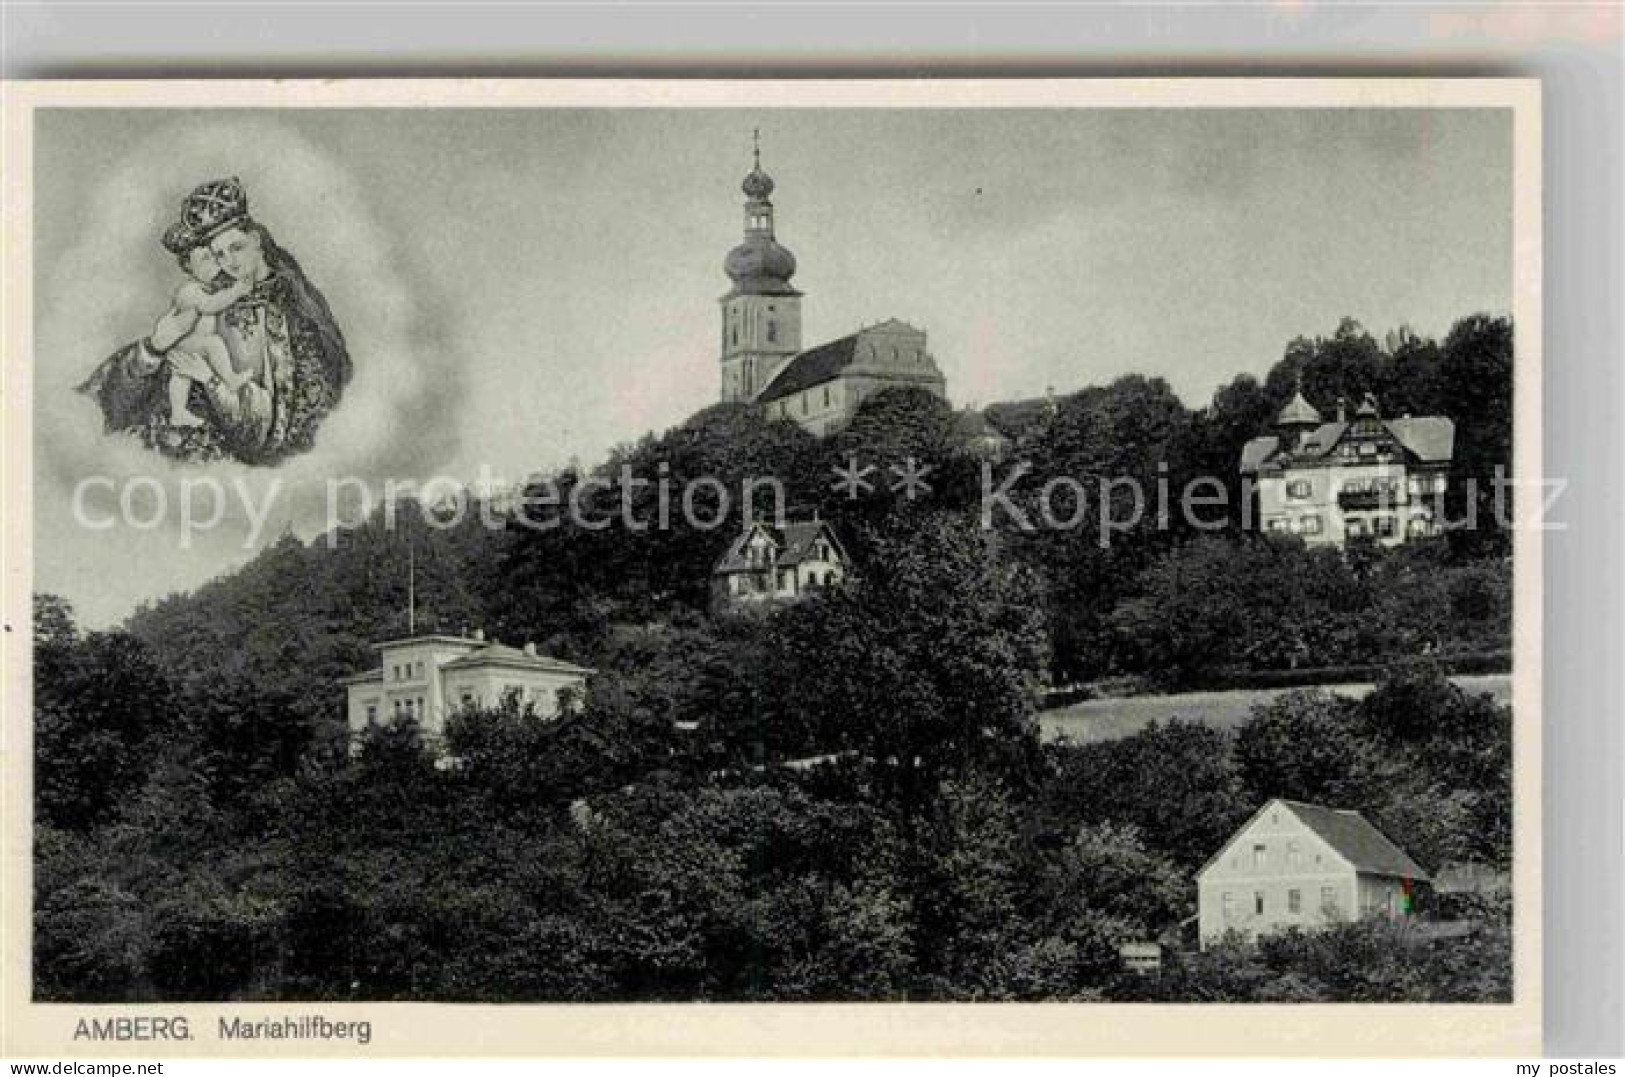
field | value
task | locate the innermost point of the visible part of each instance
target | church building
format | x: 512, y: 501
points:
x: 763, y: 361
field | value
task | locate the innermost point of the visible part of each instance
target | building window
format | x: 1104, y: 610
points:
x: 467, y: 698
x: 372, y: 714
x: 1299, y: 489
x: 826, y: 396
x: 1258, y: 856
x: 1311, y: 525
x: 1229, y: 907
x: 1356, y: 528
x: 1277, y: 524
x: 735, y: 335
x: 772, y: 331
x: 1367, y: 449
x: 1385, y: 526
x: 1328, y: 898
x: 1258, y: 903
x: 1294, y: 901
x: 1293, y: 857
x: 803, y: 403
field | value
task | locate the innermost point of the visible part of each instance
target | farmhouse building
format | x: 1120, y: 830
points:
x: 428, y: 678
x: 1303, y: 865
x: 1366, y: 479
x: 763, y: 361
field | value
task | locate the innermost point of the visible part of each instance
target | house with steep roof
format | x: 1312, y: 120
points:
x: 762, y: 359
x: 427, y: 678
x: 1306, y: 866
x: 767, y: 562
x: 1366, y: 479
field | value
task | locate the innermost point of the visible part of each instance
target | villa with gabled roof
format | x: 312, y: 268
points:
x: 785, y: 561
x: 1368, y: 478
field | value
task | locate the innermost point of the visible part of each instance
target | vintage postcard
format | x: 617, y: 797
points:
x: 964, y: 567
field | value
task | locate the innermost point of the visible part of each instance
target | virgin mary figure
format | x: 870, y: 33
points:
x: 280, y: 333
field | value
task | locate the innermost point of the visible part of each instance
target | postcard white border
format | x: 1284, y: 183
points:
x: 31, y: 1029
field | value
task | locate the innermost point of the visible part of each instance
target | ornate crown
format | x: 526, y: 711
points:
x: 213, y: 207
x: 178, y: 239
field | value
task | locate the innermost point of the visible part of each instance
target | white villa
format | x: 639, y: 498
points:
x: 1366, y: 479
x: 428, y: 678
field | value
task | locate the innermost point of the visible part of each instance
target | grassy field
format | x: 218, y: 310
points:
x: 1108, y: 719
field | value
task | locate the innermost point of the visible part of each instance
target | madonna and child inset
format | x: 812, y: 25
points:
x: 248, y: 359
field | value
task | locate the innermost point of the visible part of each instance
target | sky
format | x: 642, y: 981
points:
x: 524, y: 287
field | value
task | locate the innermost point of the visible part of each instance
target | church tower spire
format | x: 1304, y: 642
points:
x: 761, y: 314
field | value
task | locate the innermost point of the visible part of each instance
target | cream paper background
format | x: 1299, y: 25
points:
x: 418, y: 1029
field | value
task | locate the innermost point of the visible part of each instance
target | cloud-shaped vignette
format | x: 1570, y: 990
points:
x: 398, y: 419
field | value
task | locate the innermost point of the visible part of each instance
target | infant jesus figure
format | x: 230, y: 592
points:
x: 198, y: 301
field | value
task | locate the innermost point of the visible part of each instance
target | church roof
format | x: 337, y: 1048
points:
x: 818, y: 365
x: 761, y: 265
x: 812, y: 367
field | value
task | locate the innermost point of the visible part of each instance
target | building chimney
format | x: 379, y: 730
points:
x: 1342, y: 409
x: 479, y: 634
x: 530, y: 649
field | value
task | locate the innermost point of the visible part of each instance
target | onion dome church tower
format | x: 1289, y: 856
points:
x: 761, y: 314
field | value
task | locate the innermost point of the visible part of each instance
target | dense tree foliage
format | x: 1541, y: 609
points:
x: 1265, y: 602
x: 841, y: 798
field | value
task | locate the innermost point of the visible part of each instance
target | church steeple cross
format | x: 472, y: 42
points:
x: 756, y: 146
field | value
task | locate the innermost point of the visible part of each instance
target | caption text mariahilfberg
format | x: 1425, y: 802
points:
x: 309, y: 1026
